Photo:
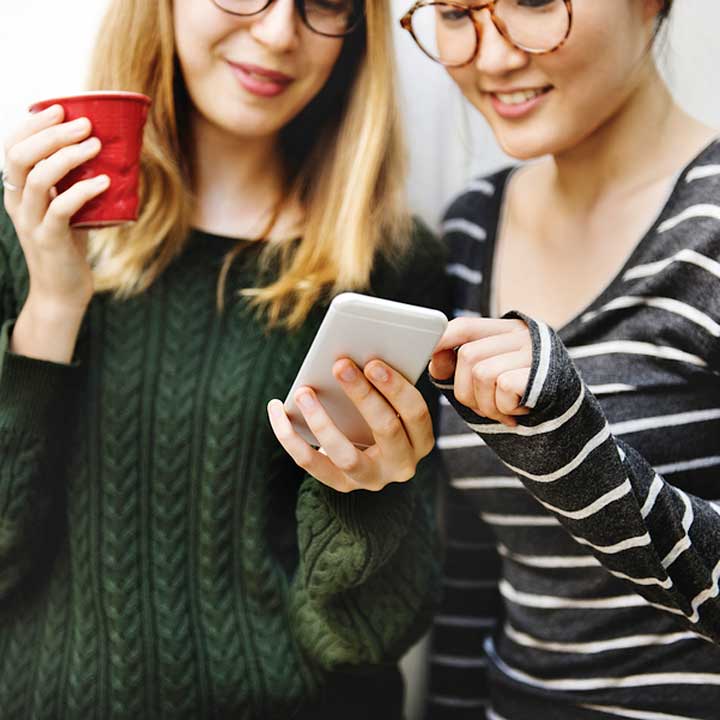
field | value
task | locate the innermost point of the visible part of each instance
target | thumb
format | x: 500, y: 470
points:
x: 442, y: 365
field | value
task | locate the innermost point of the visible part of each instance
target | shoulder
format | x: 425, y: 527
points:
x: 690, y: 220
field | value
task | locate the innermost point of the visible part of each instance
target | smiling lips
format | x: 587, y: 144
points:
x: 260, y: 81
x: 513, y: 104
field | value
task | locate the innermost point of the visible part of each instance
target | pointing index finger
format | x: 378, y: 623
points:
x: 463, y: 330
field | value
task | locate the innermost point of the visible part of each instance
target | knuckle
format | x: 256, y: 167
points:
x: 463, y: 354
x: 419, y: 415
x: 482, y: 374
x: 390, y: 426
x: 464, y: 397
x: 304, y: 458
x: 349, y: 464
x: 35, y: 180
x: 59, y: 210
x: 504, y: 384
x: 12, y: 155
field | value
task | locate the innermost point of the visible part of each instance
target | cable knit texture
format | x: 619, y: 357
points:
x: 160, y: 554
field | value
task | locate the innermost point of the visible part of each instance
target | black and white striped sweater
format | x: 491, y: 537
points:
x: 583, y: 547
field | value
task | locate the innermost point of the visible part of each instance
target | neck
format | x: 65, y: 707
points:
x: 238, y: 181
x: 647, y: 140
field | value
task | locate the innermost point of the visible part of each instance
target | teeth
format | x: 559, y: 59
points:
x: 518, y: 97
x: 261, y: 78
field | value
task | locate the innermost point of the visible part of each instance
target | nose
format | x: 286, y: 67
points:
x: 496, y: 55
x: 277, y: 26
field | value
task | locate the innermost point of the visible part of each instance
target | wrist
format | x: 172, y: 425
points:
x: 47, y: 329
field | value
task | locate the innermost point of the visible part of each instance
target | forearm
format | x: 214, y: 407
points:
x: 369, y: 571
x: 608, y: 497
x: 36, y: 400
x: 46, y: 330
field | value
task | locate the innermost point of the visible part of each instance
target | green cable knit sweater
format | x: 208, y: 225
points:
x: 160, y: 554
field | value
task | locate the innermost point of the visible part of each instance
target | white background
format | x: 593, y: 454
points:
x: 44, y: 48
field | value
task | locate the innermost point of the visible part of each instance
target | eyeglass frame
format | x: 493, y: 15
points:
x: 300, y: 7
x: 470, y: 10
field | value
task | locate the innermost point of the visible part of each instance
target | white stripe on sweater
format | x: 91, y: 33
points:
x: 687, y: 256
x: 618, y: 547
x: 663, y: 421
x: 453, y: 442
x: 464, y: 226
x: 520, y: 520
x: 655, y: 490
x: 556, y: 602
x: 482, y: 186
x: 591, y: 648
x: 661, y: 303
x: 457, y: 702
x: 464, y: 312
x: 550, y: 561
x: 632, y: 347
x: 459, y: 661
x: 597, y: 683
x: 706, y: 595
x: 474, y: 277
x: 610, y: 389
x: 702, y: 211
x: 531, y: 430
x: 486, y: 483
x: 594, y: 507
x: 665, y: 584
x: 694, y: 464
x: 592, y: 444
x: 684, y: 543
x: 636, y: 714
x: 492, y: 715
x: 700, y: 172
x: 543, y: 366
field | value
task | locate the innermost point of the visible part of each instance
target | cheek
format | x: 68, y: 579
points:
x: 322, y: 58
x: 466, y: 79
x: 196, y: 33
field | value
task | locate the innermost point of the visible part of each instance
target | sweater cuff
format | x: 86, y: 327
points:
x: 386, y: 513
x: 554, y: 381
x: 32, y: 392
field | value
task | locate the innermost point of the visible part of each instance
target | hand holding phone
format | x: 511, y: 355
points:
x: 356, y: 389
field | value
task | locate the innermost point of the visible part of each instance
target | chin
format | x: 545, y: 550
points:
x: 521, y: 148
x: 529, y: 144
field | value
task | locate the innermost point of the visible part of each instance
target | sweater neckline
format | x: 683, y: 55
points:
x: 608, y: 292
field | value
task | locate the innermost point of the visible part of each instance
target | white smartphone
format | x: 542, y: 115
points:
x: 363, y: 328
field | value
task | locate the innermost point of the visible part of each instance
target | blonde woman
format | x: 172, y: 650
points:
x: 161, y: 556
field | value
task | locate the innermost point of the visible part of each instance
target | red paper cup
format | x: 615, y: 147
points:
x: 118, y: 119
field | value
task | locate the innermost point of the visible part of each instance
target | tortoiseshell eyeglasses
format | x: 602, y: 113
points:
x: 450, y: 32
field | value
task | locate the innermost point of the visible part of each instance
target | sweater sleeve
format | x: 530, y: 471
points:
x: 34, y: 401
x: 368, y: 578
x: 369, y: 575
x: 660, y: 540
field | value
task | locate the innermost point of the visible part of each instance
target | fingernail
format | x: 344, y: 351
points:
x: 102, y: 180
x: 274, y: 409
x: 92, y: 143
x: 305, y: 400
x: 349, y: 374
x: 54, y: 111
x: 378, y: 373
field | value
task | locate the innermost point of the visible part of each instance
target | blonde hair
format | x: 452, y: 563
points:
x: 343, y: 154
